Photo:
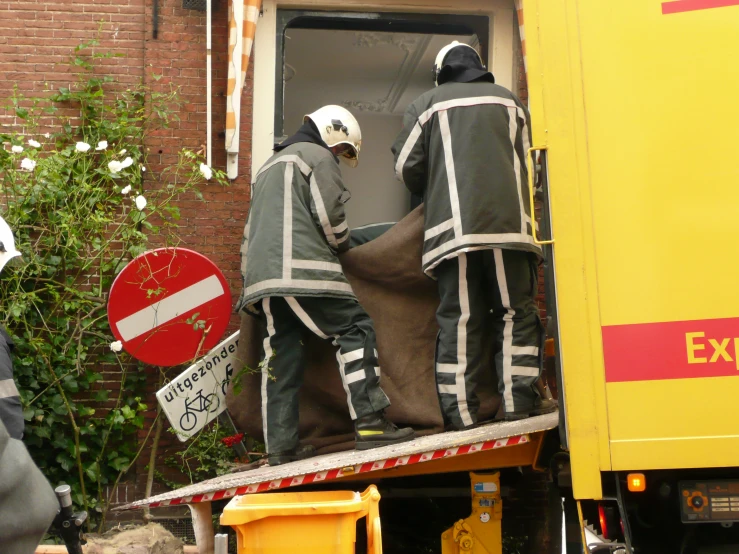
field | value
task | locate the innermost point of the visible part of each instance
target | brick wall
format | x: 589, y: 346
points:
x: 36, y: 40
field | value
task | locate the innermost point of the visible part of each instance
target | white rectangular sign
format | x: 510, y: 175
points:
x: 198, y: 394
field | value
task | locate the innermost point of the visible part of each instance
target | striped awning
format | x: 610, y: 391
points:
x: 519, y: 11
x: 242, y: 22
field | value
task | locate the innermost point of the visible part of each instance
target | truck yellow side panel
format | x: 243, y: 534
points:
x: 637, y: 102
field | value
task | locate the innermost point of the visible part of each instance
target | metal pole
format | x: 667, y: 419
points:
x: 202, y: 524
x: 221, y: 544
x: 67, y: 522
x: 155, y: 15
x: 208, y: 77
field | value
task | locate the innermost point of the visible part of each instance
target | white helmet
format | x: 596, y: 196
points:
x: 338, y: 126
x: 7, y: 244
x: 439, y: 62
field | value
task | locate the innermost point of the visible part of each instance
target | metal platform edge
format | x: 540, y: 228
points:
x: 329, y: 467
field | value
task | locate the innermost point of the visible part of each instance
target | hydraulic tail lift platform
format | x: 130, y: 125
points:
x: 488, y: 447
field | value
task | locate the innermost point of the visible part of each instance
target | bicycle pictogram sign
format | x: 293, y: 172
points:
x: 199, y: 404
x: 198, y: 395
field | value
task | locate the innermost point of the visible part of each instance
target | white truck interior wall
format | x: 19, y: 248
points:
x: 501, y: 52
x: 375, y: 75
x: 377, y: 196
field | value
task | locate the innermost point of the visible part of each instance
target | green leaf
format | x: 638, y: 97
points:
x: 120, y: 463
x: 65, y: 461
x: 101, y: 395
x: 93, y: 471
x: 71, y: 384
x: 43, y: 432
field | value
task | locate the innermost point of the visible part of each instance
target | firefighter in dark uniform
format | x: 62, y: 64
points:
x: 463, y: 148
x: 293, y: 280
x: 27, y: 502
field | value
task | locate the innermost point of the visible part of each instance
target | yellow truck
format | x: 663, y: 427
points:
x: 635, y: 111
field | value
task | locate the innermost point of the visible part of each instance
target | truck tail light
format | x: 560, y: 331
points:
x: 611, y: 525
x: 603, y: 521
x: 636, y: 482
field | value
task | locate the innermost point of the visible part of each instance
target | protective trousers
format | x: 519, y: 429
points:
x: 471, y: 286
x: 345, y: 322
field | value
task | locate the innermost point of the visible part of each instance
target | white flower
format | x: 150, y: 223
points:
x: 47, y: 135
x: 34, y: 143
x: 116, y: 346
x: 115, y: 166
x: 206, y: 171
x: 82, y: 147
x: 122, y: 152
x: 143, y: 169
x: 102, y: 145
x: 128, y: 162
x: 140, y: 202
x: 28, y: 164
x: 16, y: 149
x: 126, y: 190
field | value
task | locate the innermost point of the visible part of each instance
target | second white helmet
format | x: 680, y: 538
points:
x: 439, y: 61
x: 339, y: 127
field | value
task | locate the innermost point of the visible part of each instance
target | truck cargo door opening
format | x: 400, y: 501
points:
x: 374, y: 65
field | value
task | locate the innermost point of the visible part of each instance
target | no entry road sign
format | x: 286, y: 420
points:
x: 169, y: 306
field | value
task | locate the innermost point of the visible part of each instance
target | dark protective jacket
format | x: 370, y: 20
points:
x: 463, y: 147
x: 11, y: 411
x: 296, y: 225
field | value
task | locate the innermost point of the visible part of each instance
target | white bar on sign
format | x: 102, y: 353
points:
x: 169, y: 308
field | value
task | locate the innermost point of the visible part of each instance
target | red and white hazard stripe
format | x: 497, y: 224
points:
x: 333, y: 474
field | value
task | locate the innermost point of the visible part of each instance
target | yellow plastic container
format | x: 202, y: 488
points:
x: 304, y: 522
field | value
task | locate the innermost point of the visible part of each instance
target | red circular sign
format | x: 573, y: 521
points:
x: 169, y: 306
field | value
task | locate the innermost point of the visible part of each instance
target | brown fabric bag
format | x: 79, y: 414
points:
x: 387, y: 279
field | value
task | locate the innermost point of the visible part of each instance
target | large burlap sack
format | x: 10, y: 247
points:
x: 387, y: 279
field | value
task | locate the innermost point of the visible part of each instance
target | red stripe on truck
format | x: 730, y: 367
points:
x: 681, y: 6
x: 672, y: 350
